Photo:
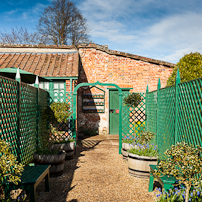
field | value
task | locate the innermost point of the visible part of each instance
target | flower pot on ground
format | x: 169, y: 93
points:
x: 127, y: 144
x: 139, y: 159
x: 67, y: 145
x: 56, y: 160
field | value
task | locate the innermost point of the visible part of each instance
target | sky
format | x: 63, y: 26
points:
x: 160, y: 29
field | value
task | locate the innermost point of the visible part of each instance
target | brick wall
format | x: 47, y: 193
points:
x: 121, y: 69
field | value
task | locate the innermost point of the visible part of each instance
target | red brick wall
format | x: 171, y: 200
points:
x: 97, y: 65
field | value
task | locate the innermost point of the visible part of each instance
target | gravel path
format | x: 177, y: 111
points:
x: 96, y: 174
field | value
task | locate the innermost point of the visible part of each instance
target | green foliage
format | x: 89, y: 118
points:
x: 10, y: 169
x: 132, y: 100
x: 60, y: 111
x: 183, y: 162
x: 178, y: 195
x: 145, y: 137
x: 190, y: 67
x: 130, y: 140
x: 65, y: 141
x: 145, y: 150
x: 9, y: 166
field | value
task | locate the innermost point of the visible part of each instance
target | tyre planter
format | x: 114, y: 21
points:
x: 55, y: 160
x: 125, y: 148
x: 68, y: 147
x: 138, y: 166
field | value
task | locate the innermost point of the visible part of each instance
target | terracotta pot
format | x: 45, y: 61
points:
x: 138, y: 166
x: 68, y: 147
x: 55, y: 160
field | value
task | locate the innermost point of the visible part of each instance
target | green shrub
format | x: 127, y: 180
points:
x: 183, y: 162
x: 61, y: 111
x: 10, y: 169
x: 190, y: 67
x: 132, y: 100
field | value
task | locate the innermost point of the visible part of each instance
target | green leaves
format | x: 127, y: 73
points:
x: 9, y: 168
x: 183, y: 162
x: 190, y: 67
x: 60, y: 111
x: 132, y: 100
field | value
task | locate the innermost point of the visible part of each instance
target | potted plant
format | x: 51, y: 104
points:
x: 45, y: 152
x: 184, y: 163
x: 139, y: 159
x: 127, y: 144
x: 68, y: 145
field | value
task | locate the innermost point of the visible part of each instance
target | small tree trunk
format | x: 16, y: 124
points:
x: 187, y: 192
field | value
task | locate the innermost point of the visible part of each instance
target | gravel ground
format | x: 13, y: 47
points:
x: 96, y: 174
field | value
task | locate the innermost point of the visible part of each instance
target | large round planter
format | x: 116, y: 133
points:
x: 138, y: 166
x: 125, y: 148
x: 68, y: 147
x: 55, y: 160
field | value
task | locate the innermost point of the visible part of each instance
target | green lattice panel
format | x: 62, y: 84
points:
x: 9, y: 112
x: 151, y: 107
x: 133, y: 121
x: 28, y: 109
x: 43, y: 103
x: 166, y: 117
x: 190, y: 112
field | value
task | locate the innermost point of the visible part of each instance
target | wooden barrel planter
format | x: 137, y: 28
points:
x: 125, y: 148
x: 68, y: 147
x: 138, y: 166
x: 55, y: 160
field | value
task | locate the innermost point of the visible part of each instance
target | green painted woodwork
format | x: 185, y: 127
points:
x: 90, y: 101
x: 133, y: 118
x: 30, y: 179
x: 120, y: 107
x: 175, y: 114
x: 113, y: 112
x: 21, y: 118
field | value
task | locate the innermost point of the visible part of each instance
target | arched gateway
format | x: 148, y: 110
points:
x: 120, y: 107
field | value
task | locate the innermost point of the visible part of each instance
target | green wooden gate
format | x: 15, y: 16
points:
x: 114, y: 110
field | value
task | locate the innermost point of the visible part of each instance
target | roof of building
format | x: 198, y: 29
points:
x: 128, y: 55
x: 55, y: 60
x: 43, y: 64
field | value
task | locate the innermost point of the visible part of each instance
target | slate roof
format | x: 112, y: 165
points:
x: 43, y: 64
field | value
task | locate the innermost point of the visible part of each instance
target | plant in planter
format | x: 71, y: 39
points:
x: 127, y: 144
x: 10, y: 169
x: 184, y: 163
x: 132, y: 100
x: 46, y: 154
x: 139, y: 159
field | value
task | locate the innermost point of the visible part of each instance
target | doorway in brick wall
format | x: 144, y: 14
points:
x: 114, y: 109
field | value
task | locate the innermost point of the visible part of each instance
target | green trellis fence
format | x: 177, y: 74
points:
x: 175, y: 114
x: 21, y: 117
x: 133, y: 120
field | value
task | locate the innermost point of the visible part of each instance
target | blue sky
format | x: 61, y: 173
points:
x: 159, y: 29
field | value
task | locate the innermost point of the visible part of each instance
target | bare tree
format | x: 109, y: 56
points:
x: 20, y: 36
x: 61, y: 23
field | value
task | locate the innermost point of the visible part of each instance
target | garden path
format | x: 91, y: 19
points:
x: 96, y: 174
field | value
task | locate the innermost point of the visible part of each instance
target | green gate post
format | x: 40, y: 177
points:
x: 146, y: 107
x: 176, y: 104
x: 17, y: 78
x: 36, y: 85
x: 157, y: 118
x: 120, y: 108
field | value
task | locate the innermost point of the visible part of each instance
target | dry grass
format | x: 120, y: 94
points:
x: 96, y: 174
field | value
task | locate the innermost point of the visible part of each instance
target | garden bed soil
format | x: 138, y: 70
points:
x: 97, y: 173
